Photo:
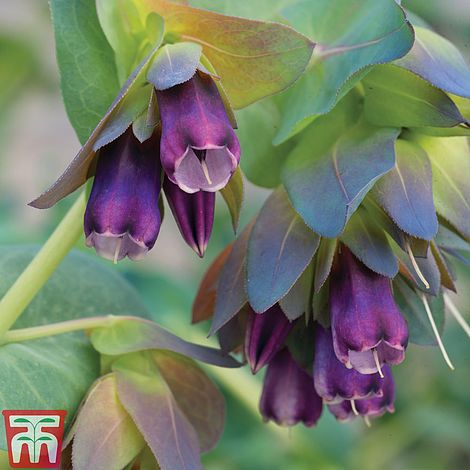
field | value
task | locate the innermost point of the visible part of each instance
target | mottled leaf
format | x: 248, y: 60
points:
x: 438, y: 61
x: 148, y: 399
x: 450, y: 159
x: 280, y: 248
x: 174, y: 64
x: 324, y: 261
x: 412, y: 308
x: 233, y: 194
x: 231, y: 294
x: 129, y: 334
x: 204, y: 303
x: 367, y: 240
x: 197, y: 397
x: 350, y: 37
x: 88, y: 73
x: 105, y: 436
x: 254, y: 59
x: 326, y: 185
x: 397, y: 97
x: 405, y: 192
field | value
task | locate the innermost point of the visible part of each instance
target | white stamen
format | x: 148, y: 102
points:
x: 205, y: 170
x: 436, y: 333
x: 367, y: 421
x: 117, y: 251
x: 415, y: 265
x: 377, y: 362
x: 353, y: 408
x: 456, y: 314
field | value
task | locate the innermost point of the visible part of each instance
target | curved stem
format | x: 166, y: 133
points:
x: 62, y: 240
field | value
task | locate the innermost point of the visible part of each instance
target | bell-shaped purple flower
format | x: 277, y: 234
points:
x: 369, y: 407
x: 122, y: 217
x: 199, y: 148
x: 334, y: 382
x: 265, y: 336
x: 368, y: 329
x: 289, y: 396
x: 194, y: 215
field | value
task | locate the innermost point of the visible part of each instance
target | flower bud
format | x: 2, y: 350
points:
x: 122, y: 217
x: 334, y: 382
x: 194, y: 215
x: 265, y: 336
x: 289, y: 395
x: 199, y: 148
x: 369, y: 407
x: 368, y: 329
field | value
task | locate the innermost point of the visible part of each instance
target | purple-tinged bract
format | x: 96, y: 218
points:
x: 194, y: 215
x: 122, y: 217
x: 289, y: 396
x: 199, y: 148
x: 334, y: 382
x: 265, y: 336
x: 368, y: 329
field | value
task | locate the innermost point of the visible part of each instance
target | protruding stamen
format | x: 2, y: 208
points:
x: 205, y: 170
x: 367, y: 421
x: 456, y: 314
x: 353, y: 407
x: 377, y: 362
x: 436, y: 333
x: 415, y: 265
x: 117, y: 250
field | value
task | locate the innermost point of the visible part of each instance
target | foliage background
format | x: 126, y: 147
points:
x: 431, y: 427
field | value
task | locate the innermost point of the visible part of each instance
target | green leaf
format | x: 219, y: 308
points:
x: 405, y: 192
x: 350, y: 36
x: 329, y: 172
x: 233, y: 194
x: 450, y: 159
x: 105, y: 435
x: 412, y: 308
x: 196, y: 396
x: 367, y: 240
x: 438, y: 61
x: 174, y: 64
x: 130, y: 334
x: 280, y: 248
x: 397, y: 97
x: 324, y: 262
x: 254, y: 59
x: 231, y: 294
x: 86, y: 62
x: 148, y: 399
x: 55, y: 372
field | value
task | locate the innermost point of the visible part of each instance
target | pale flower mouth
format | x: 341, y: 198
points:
x: 205, y: 169
x: 372, y: 360
x: 116, y: 247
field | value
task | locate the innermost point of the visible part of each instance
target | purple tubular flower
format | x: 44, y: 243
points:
x: 289, y: 395
x: 368, y: 329
x: 334, y: 382
x: 199, y: 148
x: 370, y: 407
x: 194, y: 214
x: 122, y: 217
x: 265, y: 336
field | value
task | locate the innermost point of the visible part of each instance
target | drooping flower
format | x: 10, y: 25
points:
x: 334, y: 382
x: 199, y: 148
x: 265, y: 336
x: 289, y: 396
x: 122, y: 217
x: 368, y: 329
x: 369, y: 407
x: 194, y: 214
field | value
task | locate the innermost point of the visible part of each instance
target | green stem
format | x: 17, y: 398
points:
x: 62, y: 240
x: 35, y: 332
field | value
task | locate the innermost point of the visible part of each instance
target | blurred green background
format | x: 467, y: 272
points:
x: 431, y: 426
